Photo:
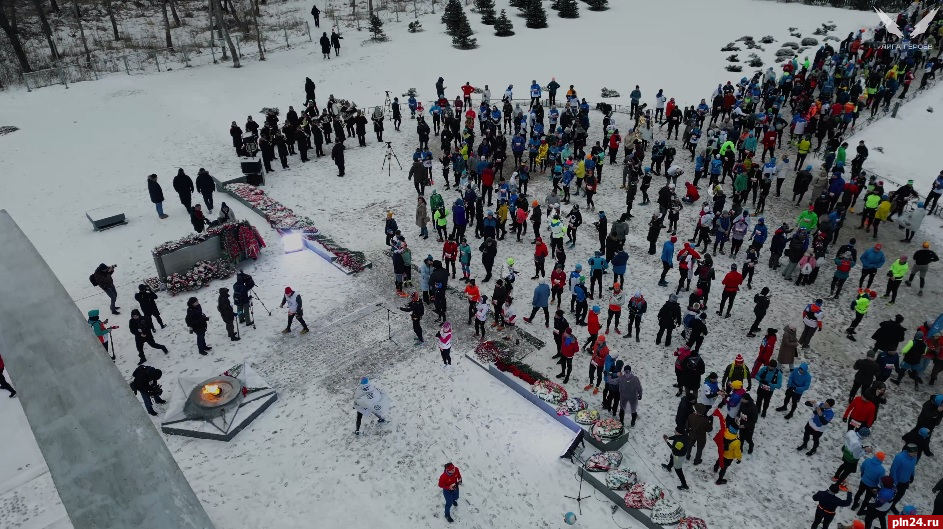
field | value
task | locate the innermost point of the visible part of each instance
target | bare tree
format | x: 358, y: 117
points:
x: 258, y: 29
x: 167, y: 37
x: 222, y: 24
x: 9, y: 27
x: 47, y: 31
x: 54, y: 5
x: 78, y: 19
x: 111, y: 16
x: 173, y: 13
x: 369, y: 7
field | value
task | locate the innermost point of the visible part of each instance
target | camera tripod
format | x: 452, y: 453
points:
x: 388, y: 160
x: 579, y: 493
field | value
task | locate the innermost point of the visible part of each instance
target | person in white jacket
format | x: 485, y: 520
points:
x: 370, y: 399
x: 911, y: 221
x: 444, y: 342
x: 481, y: 316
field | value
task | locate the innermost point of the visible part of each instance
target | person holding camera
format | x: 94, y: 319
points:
x: 147, y: 298
x: 145, y: 382
x: 143, y: 331
x: 102, y: 278
x: 196, y: 321
x: 822, y: 415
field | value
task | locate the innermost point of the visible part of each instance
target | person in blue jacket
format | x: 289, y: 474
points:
x: 871, y: 261
x: 872, y: 470
x: 667, y: 259
x: 459, y: 220
x: 541, y: 301
x: 760, y: 233
x: 799, y: 382
x: 769, y: 378
x: 619, y: 262
x: 822, y: 415
x: 412, y: 106
x: 635, y: 96
x: 517, y: 148
x: 902, y: 470
x: 716, y: 168
x: 597, y: 263
x: 534, y: 93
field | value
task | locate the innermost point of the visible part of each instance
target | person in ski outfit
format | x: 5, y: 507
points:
x: 293, y: 300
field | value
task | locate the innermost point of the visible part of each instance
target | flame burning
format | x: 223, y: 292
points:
x: 212, y: 390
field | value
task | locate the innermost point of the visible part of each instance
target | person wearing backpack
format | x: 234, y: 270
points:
x: 145, y: 382
x: 102, y: 278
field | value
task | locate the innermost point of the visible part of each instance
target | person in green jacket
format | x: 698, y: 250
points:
x: 436, y: 201
x: 808, y: 219
x: 440, y: 219
x: 98, y: 326
x: 895, y: 276
x: 871, y: 203
x: 860, y: 307
x: 840, y: 154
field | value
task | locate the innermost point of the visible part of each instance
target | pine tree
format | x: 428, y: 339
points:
x: 520, y: 4
x: 555, y: 5
x: 568, y: 9
x: 598, y: 5
x: 450, y: 17
x: 536, y: 15
x: 461, y: 39
x: 486, y: 8
x: 503, y: 26
x: 376, y: 27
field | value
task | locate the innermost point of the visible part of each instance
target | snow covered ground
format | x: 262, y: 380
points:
x: 94, y: 143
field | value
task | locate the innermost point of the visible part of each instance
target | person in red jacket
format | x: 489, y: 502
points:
x: 467, y: 91
x: 3, y: 381
x: 449, y: 254
x: 767, y: 346
x: 769, y: 144
x: 600, y: 352
x: 592, y: 327
x: 540, y: 257
x: 731, y: 282
x: 861, y: 412
x: 557, y: 284
x: 449, y: 482
x: 569, y: 345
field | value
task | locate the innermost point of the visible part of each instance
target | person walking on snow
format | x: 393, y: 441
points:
x: 679, y: 448
x: 103, y: 279
x: 183, y: 185
x: 370, y: 399
x: 449, y: 482
x: 156, y: 192
x: 828, y: 503
x: 444, y: 342
x: 812, y: 317
x: 143, y: 331
x: 799, y: 382
x: 196, y: 321
x: 293, y: 300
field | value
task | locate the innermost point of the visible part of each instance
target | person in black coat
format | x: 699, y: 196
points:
x: 378, y: 127
x: 654, y: 232
x: 145, y: 381
x: 316, y: 13
x: 309, y: 86
x: 360, y: 122
x: 326, y: 129
x: 339, y: 130
x: 761, y: 301
x: 143, y: 331
x: 282, y: 146
x: 289, y: 132
x: 416, y: 310
x: 336, y: 42
x: 157, y: 194
x: 325, y: 46
x: 236, y: 134
x: 183, y: 185
x: 268, y: 153
x: 242, y: 297
x: 889, y: 334
x: 147, y: 298
x: 205, y: 186
x: 669, y: 317
x: 227, y: 313
x: 866, y: 369
x: 337, y: 154
x: 303, y: 144
x: 318, y: 138
x: 196, y: 321
x: 397, y: 116
x: 488, y: 249
x: 197, y: 219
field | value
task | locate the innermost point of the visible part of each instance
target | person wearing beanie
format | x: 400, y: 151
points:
x: 592, y: 327
x: 414, y: 307
x: 822, y: 415
x: 761, y: 305
x: 678, y: 443
x: 731, y: 282
x: 889, y: 334
x: 697, y: 330
x: 921, y: 439
x: 669, y: 317
x: 854, y: 448
x: 895, y: 276
x: 880, y: 502
x: 769, y: 378
x: 597, y: 363
x: 843, y: 266
x: 930, y: 414
x: 482, y: 308
x: 147, y: 298
x: 913, y: 352
x: 630, y: 393
x: 293, y: 300
x: 737, y: 371
x: 568, y: 349
x: 196, y: 321
x: 728, y: 446
x: 610, y: 393
x: 143, y: 331
x: 449, y: 482
x: 866, y: 370
x: 872, y: 472
x: 922, y: 259
x: 828, y: 503
x: 812, y: 317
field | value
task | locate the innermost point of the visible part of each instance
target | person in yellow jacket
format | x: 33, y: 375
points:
x: 803, y: 148
x: 881, y: 213
x: 892, y: 73
x: 502, y: 220
x: 860, y: 307
x: 439, y: 218
x: 895, y: 276
x: 542, y: 155
x: 729, y: 448
x: 871, y: 203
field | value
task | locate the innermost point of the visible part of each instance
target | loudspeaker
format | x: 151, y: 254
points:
x: 251, y: 166
x: 255, y: 179
x: 571, y: 449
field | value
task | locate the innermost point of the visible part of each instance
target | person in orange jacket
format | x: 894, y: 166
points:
x: 473, y: 294
x: 449, y: 482
x: 600, y: 352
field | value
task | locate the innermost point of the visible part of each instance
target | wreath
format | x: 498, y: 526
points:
x: 603, y: 461
x: 607, y: 429
x: 667, y: 512
x: 621, y: 479
x: 643, y: 496
x: 587, y: 417
x: 549, y: 391
x: 692, y: 523
x: 575, y: 404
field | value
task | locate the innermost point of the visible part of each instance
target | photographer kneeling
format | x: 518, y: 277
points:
x: 145, y: 382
